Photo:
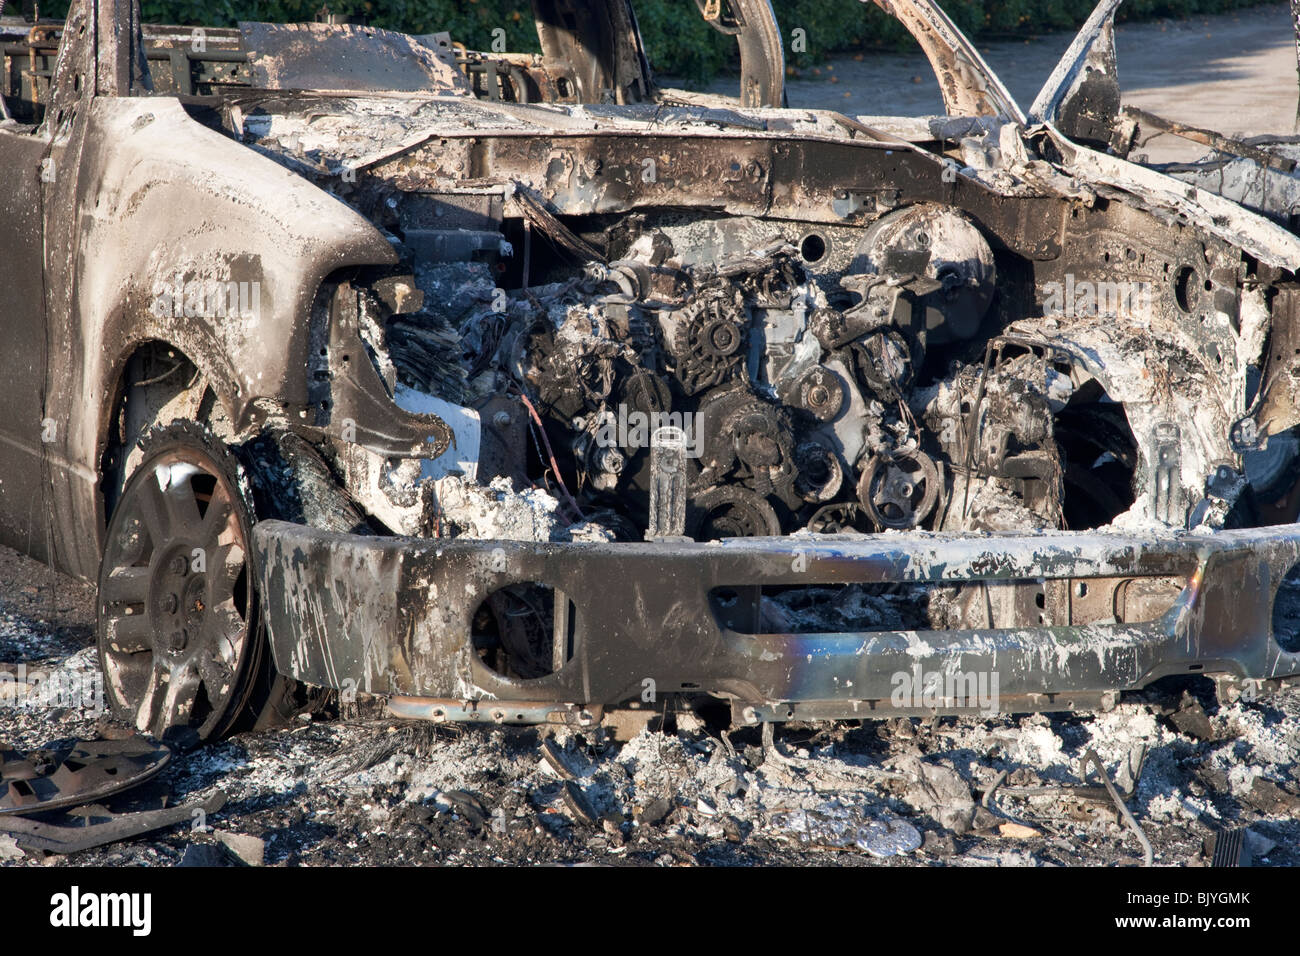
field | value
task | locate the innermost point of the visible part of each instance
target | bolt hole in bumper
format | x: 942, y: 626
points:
x: 395, y: 617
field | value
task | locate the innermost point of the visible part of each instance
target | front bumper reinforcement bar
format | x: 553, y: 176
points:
x: 393, y: 617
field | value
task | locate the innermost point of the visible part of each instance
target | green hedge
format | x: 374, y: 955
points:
x: 679, y: 42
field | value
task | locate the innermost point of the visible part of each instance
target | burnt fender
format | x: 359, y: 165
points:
x: 164, y: 204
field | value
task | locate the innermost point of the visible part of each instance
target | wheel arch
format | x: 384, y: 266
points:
x: 165, y: 204
x: 151, y: 376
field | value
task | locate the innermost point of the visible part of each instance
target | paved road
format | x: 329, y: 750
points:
x: 1235, y: 73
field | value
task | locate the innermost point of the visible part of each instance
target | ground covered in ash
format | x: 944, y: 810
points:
x: 366, y: 789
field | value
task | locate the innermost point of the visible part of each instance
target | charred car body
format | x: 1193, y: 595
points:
x: 520, y: 389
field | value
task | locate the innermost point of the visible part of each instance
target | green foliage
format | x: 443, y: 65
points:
x: 471, y: 22
x: 677, y: 39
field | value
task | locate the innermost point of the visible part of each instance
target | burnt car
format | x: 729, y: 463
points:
x: 521, y: 389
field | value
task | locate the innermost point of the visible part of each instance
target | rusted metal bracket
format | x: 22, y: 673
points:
x: 1208, y: 137
x: 361, y: 404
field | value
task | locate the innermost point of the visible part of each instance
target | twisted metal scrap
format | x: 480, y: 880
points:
x: 1148, y: 854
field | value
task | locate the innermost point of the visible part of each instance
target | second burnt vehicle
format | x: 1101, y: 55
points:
x: 518, y: 388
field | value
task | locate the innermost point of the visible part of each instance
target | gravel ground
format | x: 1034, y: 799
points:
x: 367, y: 789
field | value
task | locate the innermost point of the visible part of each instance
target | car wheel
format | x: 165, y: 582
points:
x: 179, y: 635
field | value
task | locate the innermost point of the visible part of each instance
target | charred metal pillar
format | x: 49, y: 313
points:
x: 1295, y: 24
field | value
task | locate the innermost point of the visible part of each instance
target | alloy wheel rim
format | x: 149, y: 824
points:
x: 174, y: 600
